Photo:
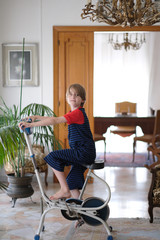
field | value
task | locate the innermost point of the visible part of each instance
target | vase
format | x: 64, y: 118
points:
x: 19, y: 187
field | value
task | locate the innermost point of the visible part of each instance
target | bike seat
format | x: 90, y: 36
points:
x: 98, y: 164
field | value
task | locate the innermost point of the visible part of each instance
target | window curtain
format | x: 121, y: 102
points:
x: 154, y: 66
x: 121, y: 75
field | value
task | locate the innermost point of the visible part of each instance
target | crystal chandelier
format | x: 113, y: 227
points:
x: 123, y: 12
x: 132, y: 41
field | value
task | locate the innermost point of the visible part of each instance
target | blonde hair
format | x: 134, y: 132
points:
x: 80, y: 90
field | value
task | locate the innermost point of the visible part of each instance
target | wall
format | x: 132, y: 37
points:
x: 15, y: 23
x: 154, y: 66
x: 34, y: 20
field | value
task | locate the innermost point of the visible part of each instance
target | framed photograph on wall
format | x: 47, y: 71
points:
x: 12, y: 64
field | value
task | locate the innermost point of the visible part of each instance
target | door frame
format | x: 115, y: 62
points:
x: 58, y: 29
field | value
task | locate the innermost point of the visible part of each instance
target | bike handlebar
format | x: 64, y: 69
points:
x: 28, y: 131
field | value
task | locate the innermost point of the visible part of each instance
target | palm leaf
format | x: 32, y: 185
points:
x: 37, y: 109
x: 42, y: 135
x: 3, y: 186
x: 10, y: 136
x: 10, y: 139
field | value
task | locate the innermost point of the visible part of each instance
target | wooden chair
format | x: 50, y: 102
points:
x: 99, y: 137
x: 124, y: 109
x: 154, y: 191
x: 154, y: 147
x: 151, y: 139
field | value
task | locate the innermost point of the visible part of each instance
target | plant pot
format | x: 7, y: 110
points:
x: 19, y: 187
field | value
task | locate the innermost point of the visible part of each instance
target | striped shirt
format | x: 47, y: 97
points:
x: 79, y: 133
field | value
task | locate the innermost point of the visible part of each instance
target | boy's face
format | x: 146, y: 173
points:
x: 73, y: 99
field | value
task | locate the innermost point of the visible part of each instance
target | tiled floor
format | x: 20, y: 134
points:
x: 129, y: 189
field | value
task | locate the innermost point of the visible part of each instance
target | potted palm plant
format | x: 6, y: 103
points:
x: 12, y: 144
x: 12, y: 141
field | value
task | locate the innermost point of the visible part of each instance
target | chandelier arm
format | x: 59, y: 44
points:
x: 116, y: 46
x: 110, y: 22
x: 119, y: 21
x: 150, y: 20
x: 103, y: 17
x: 141, y: 17
x: 87, y: 11
x: 155, y: 16
x: 126, y: 12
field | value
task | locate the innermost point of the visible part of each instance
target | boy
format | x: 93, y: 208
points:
x: 82, y: 146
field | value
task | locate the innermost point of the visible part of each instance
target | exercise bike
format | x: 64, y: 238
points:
x: 93, y: 210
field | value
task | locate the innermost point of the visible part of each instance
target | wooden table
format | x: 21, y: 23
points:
x: 101, y: 124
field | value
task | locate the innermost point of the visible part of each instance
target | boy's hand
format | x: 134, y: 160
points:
x: 25, y: 123
x: 22, y: 125
x: 29, y: 119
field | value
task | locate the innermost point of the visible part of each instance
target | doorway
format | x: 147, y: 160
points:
x: 59, y: 87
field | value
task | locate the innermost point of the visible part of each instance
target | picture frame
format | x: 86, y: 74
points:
x: 12, y: 64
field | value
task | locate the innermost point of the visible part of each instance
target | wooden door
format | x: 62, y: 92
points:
x: 75, y: 65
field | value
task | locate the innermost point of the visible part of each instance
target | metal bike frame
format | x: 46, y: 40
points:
x: 62, y: 204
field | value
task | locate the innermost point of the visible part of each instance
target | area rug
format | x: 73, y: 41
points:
x: 125, y: 159
x: 21, y: 223
x: 123, y: 229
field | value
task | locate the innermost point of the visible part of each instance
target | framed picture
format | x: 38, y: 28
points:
x: 12, y: 64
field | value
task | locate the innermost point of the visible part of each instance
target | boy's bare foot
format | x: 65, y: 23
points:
x: 60, y: 194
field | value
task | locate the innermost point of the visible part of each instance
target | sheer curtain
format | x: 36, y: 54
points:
x: 154, y: 66
x: 120, y: 75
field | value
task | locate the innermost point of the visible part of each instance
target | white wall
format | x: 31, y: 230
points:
x: 154, y: 66
x: 34, y: 20
x: 20, y: 19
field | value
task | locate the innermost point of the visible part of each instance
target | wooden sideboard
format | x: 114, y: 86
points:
x: 101, y: 124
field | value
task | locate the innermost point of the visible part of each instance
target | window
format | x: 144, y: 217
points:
x: 120, y: 75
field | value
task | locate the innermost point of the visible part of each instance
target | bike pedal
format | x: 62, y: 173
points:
x: 80, y: 223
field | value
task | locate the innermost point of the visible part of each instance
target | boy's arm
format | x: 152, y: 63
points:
x: 42, y: 121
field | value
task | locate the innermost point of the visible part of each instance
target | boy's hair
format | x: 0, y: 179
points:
x: 79, y: 90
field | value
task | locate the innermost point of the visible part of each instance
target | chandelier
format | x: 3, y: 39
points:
x: 132, y: 41
x: 123, y: 12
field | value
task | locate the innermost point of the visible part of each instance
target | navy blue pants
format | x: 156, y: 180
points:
x: 69, y: 157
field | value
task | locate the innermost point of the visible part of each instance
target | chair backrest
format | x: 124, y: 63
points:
x: 157, y: 123
x: 125, y: 107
